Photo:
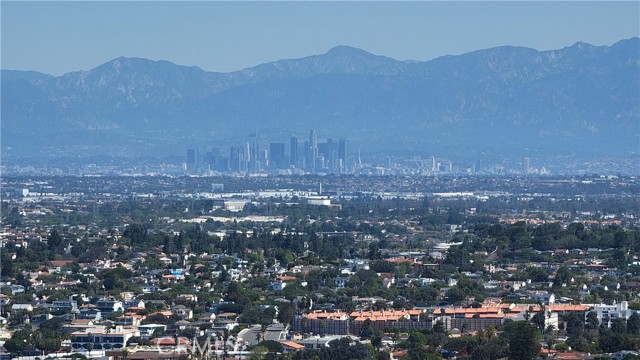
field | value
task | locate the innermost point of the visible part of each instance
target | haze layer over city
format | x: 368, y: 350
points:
x: 320, y: 180
x: 480, y: 84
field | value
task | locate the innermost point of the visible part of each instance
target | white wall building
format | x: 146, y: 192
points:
x: 101, y: 340
x: 611, y: 312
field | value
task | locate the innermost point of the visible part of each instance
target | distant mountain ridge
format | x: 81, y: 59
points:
x: 581, y: 99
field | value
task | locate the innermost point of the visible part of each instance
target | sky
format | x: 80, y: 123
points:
x: 59, y: 37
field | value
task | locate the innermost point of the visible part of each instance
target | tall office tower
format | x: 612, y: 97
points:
x: 218, y: 162
x: 264, y: 158
x: 245, y: 157
x: 209, y: 158
x: 329, y: 151
x: 276, y: 156
x: 222, y: 163
x: 327, y: 148
x: 312, y: 152
x: 306, y: 155
x: 312, y: 158
x: 434, y: 164
x: 254, y: 162
x: 192, y: 159
x: 234, y: 159
x: 526, y: 165
x: 343, y: 151
x: 294, y: 151
x: 323, y: 148
x: 334, y: 162
x: 313, y: 138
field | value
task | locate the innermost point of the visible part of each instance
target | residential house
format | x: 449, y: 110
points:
x: 147, y: 331
x: 133, y: 303
x: 109, y: 306
x: 17, y: 309
x: 64, y: 306
x: 16, y: 289
x: 544, y: 297
x: 128, y: 320
x: 182, y: 312
x: 78, y: 325
x: 148, y: 289
x: 102, y: 340
x: 90, y: 313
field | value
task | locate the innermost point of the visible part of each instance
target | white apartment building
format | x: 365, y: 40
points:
x: 102, y: 340
x: 612, y: 312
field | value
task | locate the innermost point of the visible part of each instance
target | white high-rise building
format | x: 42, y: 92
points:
x: 611, y: 312
x: 526, y: 165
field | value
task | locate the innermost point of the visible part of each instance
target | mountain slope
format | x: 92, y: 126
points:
x: 580, y: 99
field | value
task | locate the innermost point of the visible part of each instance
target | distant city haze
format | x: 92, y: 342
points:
x: 482, y: 107
x: 59, y: 37
x: 469, y: 84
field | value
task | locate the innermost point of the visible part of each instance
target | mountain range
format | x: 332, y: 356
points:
x: 581, y: 99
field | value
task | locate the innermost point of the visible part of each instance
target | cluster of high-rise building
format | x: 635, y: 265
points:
x: 307, y: 155
x: 298, y: 156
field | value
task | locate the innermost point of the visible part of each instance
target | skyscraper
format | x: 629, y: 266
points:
x: 526, y: 165
x: 254, y: 162
x: 312, y: 150
x: 294, y: 151
x: 343, y: 152
x: 276, y: 155
x: 313, y: 138
x: 245, y: 157
x: 234, y: 158
x: 192, y: 159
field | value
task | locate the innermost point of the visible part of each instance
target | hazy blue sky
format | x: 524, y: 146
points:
x: 58, y: 37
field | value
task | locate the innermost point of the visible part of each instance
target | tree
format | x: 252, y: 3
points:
x: 286, y: 313
x: 376, y: 340
x: 366, y: 332
x: 633, y: 324
x: 47, y: 340
x: 13, y: 217
x: 455, y: 294
x: 114, y: 279
x: 537, y: 274
x: 254, y: 314
x: 563, y: 276
x: 374, y: 251
x: 271, y: 346
x: 523, y: 340
x: 575, y: 325
x: 258, y: 353
x: 619, y: 326
x: 416, y: 340
x: 53, y: 324
x: 592, y: 320
x: 538, y: 319
x: 54, y: 240
x: 15, y: 346
x: 7, y: 265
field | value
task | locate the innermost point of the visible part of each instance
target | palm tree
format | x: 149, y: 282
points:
x: 226, y: 338
x: 396, y: 336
